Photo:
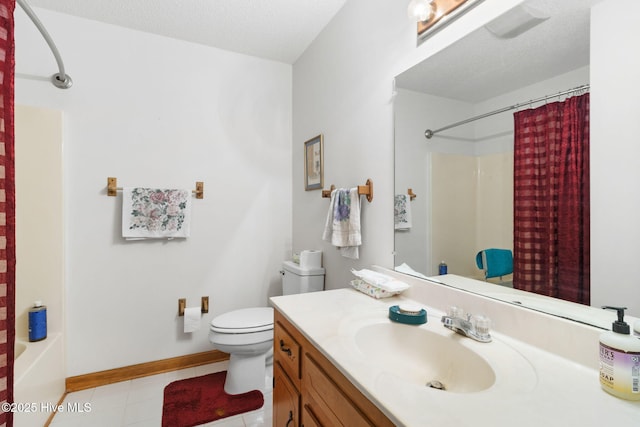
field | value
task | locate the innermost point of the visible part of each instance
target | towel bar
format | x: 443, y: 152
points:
x: 112, y: 188
x: 363, y: 190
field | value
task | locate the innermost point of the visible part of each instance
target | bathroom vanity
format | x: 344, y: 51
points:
x: 309, y: 390
x: 339, y: 360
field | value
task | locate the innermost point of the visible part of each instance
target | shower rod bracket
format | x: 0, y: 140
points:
x: 61, y: 79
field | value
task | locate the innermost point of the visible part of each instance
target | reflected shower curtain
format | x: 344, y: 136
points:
x: 7, y: 210
x: 551, y: 200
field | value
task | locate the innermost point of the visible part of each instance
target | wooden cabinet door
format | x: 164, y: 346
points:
x: 286, y: 399
x: 308, y: 419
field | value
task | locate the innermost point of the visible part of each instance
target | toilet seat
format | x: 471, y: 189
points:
x: 244, y: 321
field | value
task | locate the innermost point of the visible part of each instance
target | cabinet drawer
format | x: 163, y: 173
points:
x: 325, y: 401
x: 286, y: 350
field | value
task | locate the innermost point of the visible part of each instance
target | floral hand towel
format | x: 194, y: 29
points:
x: 342, y: 226
x: 402, y: 212
x: 152, y: 213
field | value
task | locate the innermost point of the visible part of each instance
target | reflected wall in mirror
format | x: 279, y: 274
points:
x: 464, y: 176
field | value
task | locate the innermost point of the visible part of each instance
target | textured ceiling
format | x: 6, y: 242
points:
x: 483, y: 66
x: 474, y: 69
x: 274, y: 29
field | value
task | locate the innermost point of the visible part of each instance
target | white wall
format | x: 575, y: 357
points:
x: 412, y: 244
x: 157, y: 112
x: 342, y: 87
x: 615, y: 126
x: 413, y: 160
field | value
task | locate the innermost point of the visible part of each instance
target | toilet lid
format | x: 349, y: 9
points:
x: 244, y: 321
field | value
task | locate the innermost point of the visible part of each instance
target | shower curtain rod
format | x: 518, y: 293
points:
x: 61, y: 79
x: 429, y: 133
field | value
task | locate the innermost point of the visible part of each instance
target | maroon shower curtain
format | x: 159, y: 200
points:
x: 7, y: 210
x: 551, y: 200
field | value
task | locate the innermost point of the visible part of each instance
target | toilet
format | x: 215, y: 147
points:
x: 247, y: 334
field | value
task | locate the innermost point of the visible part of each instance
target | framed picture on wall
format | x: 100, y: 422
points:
x: 313, y: 164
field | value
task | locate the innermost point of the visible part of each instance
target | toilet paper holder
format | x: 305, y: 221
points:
x: 182, y: 304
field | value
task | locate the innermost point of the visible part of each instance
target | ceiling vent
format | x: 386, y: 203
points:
x: 516, y: 21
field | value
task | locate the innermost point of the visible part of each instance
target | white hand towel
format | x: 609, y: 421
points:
x: 328, y: 224
x: 342, y: 227
x: 402, y: 212
x: 149, y: 213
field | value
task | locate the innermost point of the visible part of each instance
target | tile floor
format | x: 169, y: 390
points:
x: 138, y: 403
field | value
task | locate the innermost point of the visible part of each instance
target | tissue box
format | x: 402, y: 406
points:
x: 310, y: 259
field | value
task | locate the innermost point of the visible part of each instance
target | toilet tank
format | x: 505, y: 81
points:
x: 296, y: 280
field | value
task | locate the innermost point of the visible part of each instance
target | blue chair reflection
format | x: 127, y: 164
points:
x: 495, y: 262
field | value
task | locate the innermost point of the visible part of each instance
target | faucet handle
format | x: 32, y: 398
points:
x: 455, y: 312
x: 482, y: 325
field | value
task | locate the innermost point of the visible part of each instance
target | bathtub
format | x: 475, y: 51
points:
x: 19, y: 348
x: 38, y: 379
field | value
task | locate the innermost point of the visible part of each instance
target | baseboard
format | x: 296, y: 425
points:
x: 96, y: 379
x: 55, y: 411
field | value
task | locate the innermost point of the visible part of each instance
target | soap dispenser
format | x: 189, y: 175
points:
x: 620, y: 359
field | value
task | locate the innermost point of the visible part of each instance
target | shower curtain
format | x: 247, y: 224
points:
x: 551, y: 200
x: 7, y: 210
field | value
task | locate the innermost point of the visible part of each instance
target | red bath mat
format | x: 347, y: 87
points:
x: 201, y: 400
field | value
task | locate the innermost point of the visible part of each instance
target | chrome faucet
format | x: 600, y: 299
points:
x: 474, y: 327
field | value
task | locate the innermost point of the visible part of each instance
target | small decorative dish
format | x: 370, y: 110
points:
x: 408, y: 317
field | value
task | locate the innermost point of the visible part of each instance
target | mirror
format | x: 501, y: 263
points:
x: 478, y: 74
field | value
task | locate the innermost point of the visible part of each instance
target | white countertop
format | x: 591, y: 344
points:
x: 556, y: 391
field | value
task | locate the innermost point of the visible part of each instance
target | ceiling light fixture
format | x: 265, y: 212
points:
x: 433, y: 15
x: 420, y: 10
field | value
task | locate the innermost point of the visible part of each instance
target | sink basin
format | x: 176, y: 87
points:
x: 423, y: 357
x: 398, y: 361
